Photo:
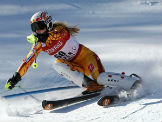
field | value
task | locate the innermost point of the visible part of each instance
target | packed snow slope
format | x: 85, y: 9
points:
x: 127, y: 36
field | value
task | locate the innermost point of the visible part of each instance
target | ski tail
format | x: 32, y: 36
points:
x: 49, y: 105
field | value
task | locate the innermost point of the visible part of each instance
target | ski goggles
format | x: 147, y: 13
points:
x: 38, y: 26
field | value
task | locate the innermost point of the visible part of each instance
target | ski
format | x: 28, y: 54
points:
x: 49, y: 105
x: 107, y: 100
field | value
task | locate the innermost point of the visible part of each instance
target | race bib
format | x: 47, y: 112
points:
x: 69, y: 50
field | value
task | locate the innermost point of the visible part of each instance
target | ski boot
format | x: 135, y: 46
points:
x: 91, y: 86
x: 137, y: 83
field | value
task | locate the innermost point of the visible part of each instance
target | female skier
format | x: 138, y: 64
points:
x: 74, y: 61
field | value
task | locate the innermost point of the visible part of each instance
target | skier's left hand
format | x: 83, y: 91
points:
x: 32, y: 39
x: 13, y: 81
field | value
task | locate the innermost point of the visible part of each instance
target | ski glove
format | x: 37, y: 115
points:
x: 13, y: 81
x: 32, y: 39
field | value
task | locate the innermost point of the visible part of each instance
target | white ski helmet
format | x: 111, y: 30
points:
x: 40, y: 20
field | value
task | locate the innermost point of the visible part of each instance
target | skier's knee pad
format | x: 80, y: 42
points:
x: 72, y: 75
x: 116, y: 80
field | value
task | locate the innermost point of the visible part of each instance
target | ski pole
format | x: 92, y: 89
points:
x: 33, y: 40
x: 36, y: 99
x: 35, y: 65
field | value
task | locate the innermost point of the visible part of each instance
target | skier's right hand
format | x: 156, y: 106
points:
x: 13, y: 81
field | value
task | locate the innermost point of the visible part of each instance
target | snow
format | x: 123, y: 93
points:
x: 127, y: 36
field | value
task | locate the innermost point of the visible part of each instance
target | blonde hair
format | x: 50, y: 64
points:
x: 73, y: 30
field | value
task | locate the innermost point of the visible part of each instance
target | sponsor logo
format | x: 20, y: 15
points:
x: 91, y: 67
x: 112, y: 80
x: 55, y: 48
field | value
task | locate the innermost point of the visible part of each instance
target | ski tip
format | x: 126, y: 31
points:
x: 46, y: 105
x: 104, y: 102
x: 107, y: 100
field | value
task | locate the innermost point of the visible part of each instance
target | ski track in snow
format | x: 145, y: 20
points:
x: 126, y: 34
